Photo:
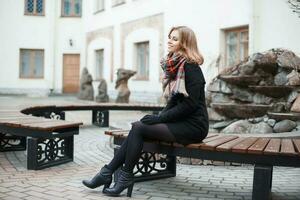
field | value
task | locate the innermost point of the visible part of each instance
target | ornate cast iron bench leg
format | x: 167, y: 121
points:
x: 55, y: 115
x: 12, y: 143
x: 100, y: 118
x: 262, y: 182
x: 152, y: 166
x: 43, y: 152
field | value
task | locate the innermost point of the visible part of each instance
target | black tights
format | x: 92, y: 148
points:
x: 131, y: 148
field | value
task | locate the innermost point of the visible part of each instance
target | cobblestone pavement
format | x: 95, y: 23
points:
x: 93, y: 150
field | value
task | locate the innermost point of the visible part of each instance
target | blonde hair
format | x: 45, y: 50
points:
x: 188, y: 44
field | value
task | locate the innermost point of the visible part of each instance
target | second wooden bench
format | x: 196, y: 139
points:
x: 48, y: 142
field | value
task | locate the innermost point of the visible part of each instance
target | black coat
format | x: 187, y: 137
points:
x: 186, y: 117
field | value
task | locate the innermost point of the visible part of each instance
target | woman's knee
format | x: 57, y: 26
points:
x: 138, y: 127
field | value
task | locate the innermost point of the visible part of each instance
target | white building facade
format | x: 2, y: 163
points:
x: 46, y: 44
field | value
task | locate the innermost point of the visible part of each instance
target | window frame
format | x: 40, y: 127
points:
x: 34, y: 13
x: 72, y: 9
x: 31, y: 76
x: 113, y: 4
x: 97, y: 10
x: 238, y: 30
x: 97, y: 70
x: 137, y: 76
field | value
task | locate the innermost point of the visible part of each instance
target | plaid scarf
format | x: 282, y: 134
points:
x: 174, y: 78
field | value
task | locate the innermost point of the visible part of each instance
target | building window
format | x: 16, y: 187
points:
x: 142, y: 60
x: 71, y: 8
x: 31, y: 63
x: 99, y: 63
x: 117, y: 2
x: 99, y: 5
x: 236, y: 45
x: 34, y: 7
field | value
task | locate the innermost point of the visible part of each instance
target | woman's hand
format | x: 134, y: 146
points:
x: 151, y: 119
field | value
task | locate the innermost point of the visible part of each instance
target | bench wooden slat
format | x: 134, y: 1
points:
x: 194, y: 146
x: 243, y: 146
x: 228, y: 145
x: 259, y: 146
x: 273, y: 146
x: 3, y: 115
x: 6, y: 119
x: 166, y: 143
x: 287, y: 147
x: 13, y: 122
x: 51, y: 126
x: 175, y: 144
x: 214, y: 143
x: 117, y: 133
x: 208, y: 137
x: 211, y: 138
x: 25, y: 121
x: 297, y: 145
x: 9, y: 112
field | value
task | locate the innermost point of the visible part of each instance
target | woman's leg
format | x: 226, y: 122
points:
x: 131, y: 150
x: 138, y: 134
x: 119, y: 158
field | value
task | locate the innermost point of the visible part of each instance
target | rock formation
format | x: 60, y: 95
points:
x: 257, y: 94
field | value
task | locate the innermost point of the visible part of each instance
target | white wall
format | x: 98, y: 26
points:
x: 68, y: 28
x: 207, y: 18
x: 99, y: 43
x: 271, y: 24
x: 142, y: 35
x: 50, y: 32
x: 20, y: 31
x: 275, y: 25
x: 115, y: 16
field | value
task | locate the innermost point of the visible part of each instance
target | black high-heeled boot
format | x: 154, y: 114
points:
x: 125, y: 180
x: 104, y: 177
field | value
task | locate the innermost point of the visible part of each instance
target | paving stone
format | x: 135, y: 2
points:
x: 165, y: 195
x: 160, y: 198
x: 16, y: 194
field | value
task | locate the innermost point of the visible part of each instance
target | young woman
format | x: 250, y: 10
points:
x: 183, y: 120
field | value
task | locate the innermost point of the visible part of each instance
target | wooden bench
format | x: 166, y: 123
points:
x: 41, y: 130
x: 100, y: 111
x: 262, y: 152
x: 48, y: 142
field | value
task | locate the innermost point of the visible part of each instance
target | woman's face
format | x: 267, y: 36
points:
x: 173, y: 42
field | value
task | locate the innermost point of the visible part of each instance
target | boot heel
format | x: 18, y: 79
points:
x: 106, y: 186
x: 129, y: 190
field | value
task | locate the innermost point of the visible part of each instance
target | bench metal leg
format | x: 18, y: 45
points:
x: 12, y: 143
x: 262, y: 182
x: 51, y: 114
x: 153, y: 166
x: 55, y: 115
x: 100, y: 118
x: 43, y: 153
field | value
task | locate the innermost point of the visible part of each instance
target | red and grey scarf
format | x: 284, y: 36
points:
x: 174, y: 78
